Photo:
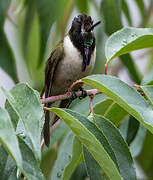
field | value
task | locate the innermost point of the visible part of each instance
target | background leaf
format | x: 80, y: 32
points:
x: 7, y: 62
x: 27, y: 104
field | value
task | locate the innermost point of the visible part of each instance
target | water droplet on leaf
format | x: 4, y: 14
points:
x: 59, y: 174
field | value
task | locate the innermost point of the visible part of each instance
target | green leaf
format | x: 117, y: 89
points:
x: 141, y: 6
x: 133, y: 127
x: 7, y: 62
x: 8, y: 138
x: 32, y: 52
x: 10, y: 171
x: 111, y: 12
x: 64, y: 157
x: 26, y: 102
x: 148, y: 90
x: 82, y: 106
x: 53, y: 10
x: 137, y: 144
x: 13, y: 114
x: 125, y: 9
x: 80, y: 172
x: 148, y: 79
x: 111, y: 111
x: 125, y: 96
x: 3, y: 159
x: 77, y: 157
x: 101, y: 107
x: 30, y: 165
x: 119, y: 146
x: 49, y: 154
x: 82, y: 5
x: 88, y: 140
x: 94, y: 170
x: 129, y: 63
x: 115, y: 114
x: 128, y: 39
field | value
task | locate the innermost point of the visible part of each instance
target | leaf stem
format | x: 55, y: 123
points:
x: 106, y: 67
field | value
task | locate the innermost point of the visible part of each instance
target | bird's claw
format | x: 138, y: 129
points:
x: 84, y: 93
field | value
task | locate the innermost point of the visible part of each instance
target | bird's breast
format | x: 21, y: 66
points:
x: 69, y: 68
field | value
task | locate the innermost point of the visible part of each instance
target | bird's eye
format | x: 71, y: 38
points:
x: 77, y: 19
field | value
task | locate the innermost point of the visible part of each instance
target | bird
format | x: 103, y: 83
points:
x: 72, y: 59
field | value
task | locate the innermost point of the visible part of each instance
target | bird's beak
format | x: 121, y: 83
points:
x: 93, y: 26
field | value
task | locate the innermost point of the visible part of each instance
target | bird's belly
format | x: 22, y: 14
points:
x: 68, y: 71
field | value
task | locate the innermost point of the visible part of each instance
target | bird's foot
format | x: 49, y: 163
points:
x: 84, y: 93
x: 74, y: 96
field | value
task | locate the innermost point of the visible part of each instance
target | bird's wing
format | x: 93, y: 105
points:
x: 50, y: 69
x: 51, y: 65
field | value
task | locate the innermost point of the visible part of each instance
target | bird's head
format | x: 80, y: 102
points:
x: 83, y: 24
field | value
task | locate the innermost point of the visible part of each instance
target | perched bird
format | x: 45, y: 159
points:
x: 72, y: 59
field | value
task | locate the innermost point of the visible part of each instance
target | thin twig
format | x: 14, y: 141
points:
x: 106, y: 67
x: 91, y: 103
x: 67, y: 96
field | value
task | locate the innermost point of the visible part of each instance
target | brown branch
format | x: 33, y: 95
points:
x: 106, y: 67
x: 67, y: 96
x: 91, y: 103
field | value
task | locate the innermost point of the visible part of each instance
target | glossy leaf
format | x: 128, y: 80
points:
x: 10, y: 170
x: 7, y: 62
x: 137, y: 144
x: 30, y: 165
x: 119, y: 146
x: 77, y: 157
x: 94, y: 170
x: 49, y: 154
x: 88, y: 140
x: 148, y: 90
x: 13, y: 114
x: 148, y: 78
x: 80, y: 172
x: 133, y: 127
x: 111, y: 111
x: 125, y: 96
x: 128, y: 39
x: 101, y: 107
x: 26, y: 102
x: 82, y: 106
x: 64, y: 157
x: 3, y: 159
x: 111, y: 12
x: 8, y: 138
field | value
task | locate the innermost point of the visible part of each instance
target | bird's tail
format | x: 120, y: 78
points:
x: 51, y: 118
